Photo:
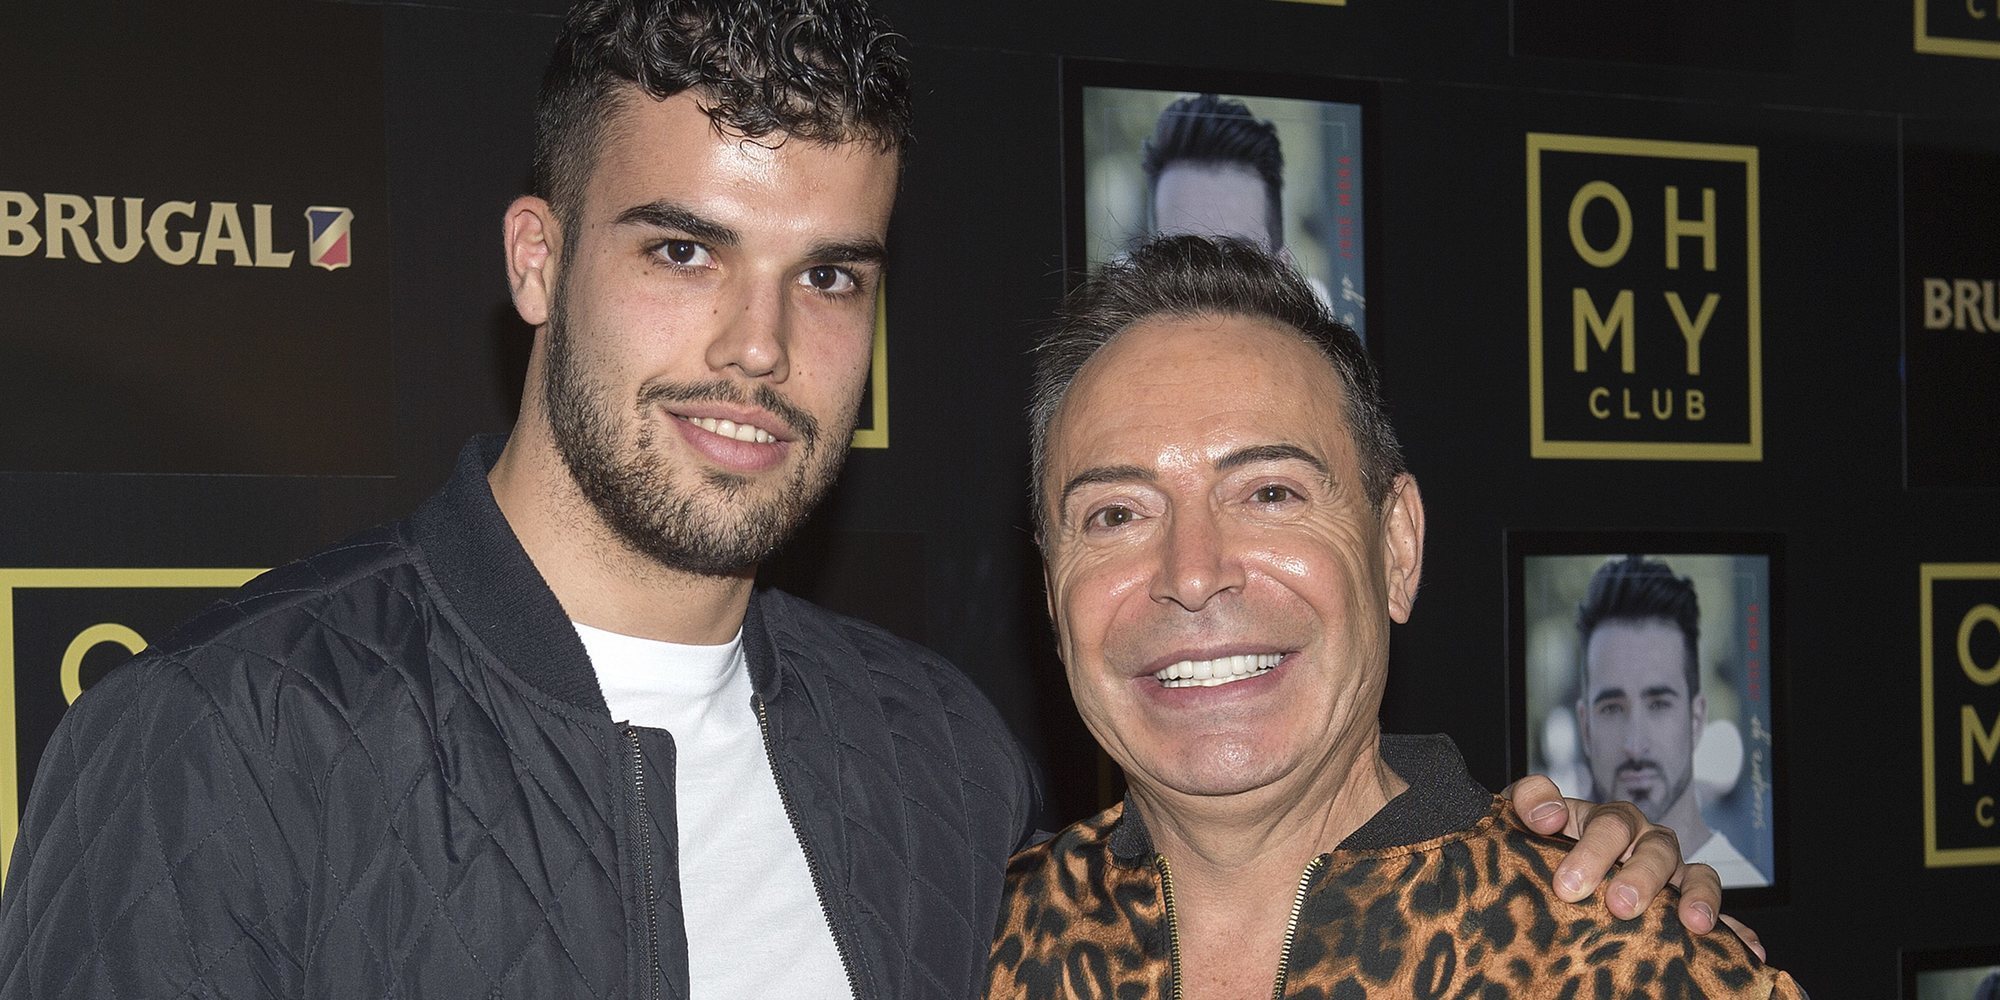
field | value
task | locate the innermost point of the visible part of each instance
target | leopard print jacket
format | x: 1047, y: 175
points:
x: 1441, y: 895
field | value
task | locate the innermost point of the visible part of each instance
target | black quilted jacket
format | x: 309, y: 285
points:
x: 387, y: 771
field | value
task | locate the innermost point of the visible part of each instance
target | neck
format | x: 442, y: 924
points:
x: 599, y: 579
x: 1270, y: 833
x: 1685, y: 819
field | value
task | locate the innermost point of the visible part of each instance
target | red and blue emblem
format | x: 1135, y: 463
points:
x: 332, y: 247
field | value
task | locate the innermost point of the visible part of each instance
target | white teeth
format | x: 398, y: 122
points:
x: 1209, y: 673
x: 732, y: 429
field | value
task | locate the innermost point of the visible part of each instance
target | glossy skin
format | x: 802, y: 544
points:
x: 1639, y: 726
x: 710, y: 277
x: 1209, y: 504
x: 1175, y: 533
x: 1219, y: 199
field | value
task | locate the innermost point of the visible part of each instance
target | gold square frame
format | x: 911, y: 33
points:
x: 1929, y: 573
x: 12, y: 580
x: 1539, y: 445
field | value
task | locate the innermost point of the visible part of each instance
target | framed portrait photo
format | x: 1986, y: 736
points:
x: 1952, y: 974
x: 1281, y: 161
x: 1647, y: 666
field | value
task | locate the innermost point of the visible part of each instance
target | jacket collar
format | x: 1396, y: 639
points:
x: 478, y: 562
x: 1442, y: 799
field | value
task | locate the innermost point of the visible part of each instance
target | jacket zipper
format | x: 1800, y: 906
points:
x: 644, y: 817
x: 1291, y: 923
x: 1292, y: 926
x: 812, y: 863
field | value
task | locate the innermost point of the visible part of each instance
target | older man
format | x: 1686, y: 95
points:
x: 1228, y: 531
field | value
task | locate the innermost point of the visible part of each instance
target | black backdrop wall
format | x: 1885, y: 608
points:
x: 244, y: 387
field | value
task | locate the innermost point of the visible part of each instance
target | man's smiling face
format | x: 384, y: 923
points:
x: 1222, y: 588
x: 710, y: 331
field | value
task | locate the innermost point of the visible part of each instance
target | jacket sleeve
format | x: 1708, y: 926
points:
x: 151, y: 861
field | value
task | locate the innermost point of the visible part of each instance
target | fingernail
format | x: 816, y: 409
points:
x: 1627, y: 900
x: 1572, y: 882
x: 1701, y: 910
x: 1545, y: 811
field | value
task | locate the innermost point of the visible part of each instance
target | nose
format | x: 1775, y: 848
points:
x: 753, y: 336
x: 1197, y: 562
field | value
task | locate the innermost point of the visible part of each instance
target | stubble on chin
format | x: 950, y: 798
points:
x: 706, y: 523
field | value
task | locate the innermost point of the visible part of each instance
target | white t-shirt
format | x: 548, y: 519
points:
x: 754, y: 924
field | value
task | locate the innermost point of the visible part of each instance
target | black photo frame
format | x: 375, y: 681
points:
x: 1642, y: 732
x: 1325, y: 128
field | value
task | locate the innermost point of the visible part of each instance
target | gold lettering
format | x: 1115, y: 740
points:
x: 107, y: 241
x: 1697, y: 405
x: 1663, y: 404
x: 156, y: 233
x: 1972, y: 730
x: 1598, y: 396
x: 87, y: 640
x: 1937, y: 303
x: 1992, y: 316
x: 1972, y: 8
x: 1967, y: 295
x: 1691, y: 332
x: 1980, y: 614
x: 67, y: 214
x: 260, y: 225
x: 1982, y: 811
x: 225, y: 232
x: 1625, y: 395
x: 1591, y: 255
x: 18, y: 236
x: 1677, y: 228
x: 1589, y: 323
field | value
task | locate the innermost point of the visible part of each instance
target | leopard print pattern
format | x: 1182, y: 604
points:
x: 1467, y: 915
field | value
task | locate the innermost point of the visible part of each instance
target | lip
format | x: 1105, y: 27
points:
x: 1212, y: 653
x: 727, y: 453
x: 762, y: 419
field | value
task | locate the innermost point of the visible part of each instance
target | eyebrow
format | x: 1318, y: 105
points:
x: 1102, y: 474
x: 1272, y: 453
x: 1236, y: 459
x: 1651, y: 692
x: 849, y: 252
x: 668, y: 215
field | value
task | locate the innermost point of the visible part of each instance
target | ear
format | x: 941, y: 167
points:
x: 533, y: 238
x: 1698, y: 716
x: 1403, y: 545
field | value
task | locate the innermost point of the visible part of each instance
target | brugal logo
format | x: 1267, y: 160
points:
x: 1643, y: 300
x: 1961, y: 689
x: 104, y: 229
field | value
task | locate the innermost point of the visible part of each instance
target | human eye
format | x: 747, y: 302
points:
x: 684, y: 253
x: 1109, y: 517
x: 830, y: 279
x: 1611, y: 709
x: 1274, y: 493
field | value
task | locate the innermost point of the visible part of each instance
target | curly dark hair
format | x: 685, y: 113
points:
x: 820, y: 70
x: 1181, y: 276
x: 1637, y: 589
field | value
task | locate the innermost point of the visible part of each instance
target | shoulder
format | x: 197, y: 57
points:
x: 347, y: 609
x: 1652, y: 954
x: 865, y: 658
x: 1077, y: 849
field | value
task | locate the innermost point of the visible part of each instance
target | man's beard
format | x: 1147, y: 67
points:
x: 1655, y: 807
x: 683, y: 526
